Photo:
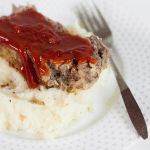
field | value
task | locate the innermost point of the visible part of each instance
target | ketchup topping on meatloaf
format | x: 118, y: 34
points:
x: 45, y: 53
x: 36, y: 41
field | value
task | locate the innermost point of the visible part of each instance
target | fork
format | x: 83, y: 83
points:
x: 104, y: 32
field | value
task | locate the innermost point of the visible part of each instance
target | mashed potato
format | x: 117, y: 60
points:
x: 44, y: 111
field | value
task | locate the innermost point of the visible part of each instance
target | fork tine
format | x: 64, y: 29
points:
x: 92, y: 23
x: 82, y: 19
x: 101, y: 17
x: 96, y: 21
x: 88, y: 18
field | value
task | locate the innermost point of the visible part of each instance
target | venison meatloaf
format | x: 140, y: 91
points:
x: 66, y: 75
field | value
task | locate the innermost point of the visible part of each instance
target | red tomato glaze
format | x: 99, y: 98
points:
x: 30, y: 33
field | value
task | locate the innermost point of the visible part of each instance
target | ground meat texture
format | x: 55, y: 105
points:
x: 10, y: 56
x: 71, y: 76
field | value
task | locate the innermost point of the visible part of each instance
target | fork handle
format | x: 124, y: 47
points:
x: 132, y: 107
x: 135, y: 113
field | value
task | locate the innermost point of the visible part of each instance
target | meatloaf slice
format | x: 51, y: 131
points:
x: 66, y: 76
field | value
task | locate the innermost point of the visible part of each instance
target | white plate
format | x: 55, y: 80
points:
x: 99, y: 130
